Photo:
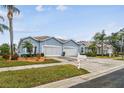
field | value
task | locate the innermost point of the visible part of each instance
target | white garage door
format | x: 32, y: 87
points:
x: 70, y: 51
x: 52, y: 50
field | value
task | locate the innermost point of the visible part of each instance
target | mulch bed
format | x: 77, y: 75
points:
x: 29, y: 59
x: 32, y: 59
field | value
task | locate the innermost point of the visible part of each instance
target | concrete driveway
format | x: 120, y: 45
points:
x: 98, y: 68
x: 93, y: 64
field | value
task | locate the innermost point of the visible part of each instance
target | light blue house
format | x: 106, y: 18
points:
x: 84, y: 48
x: 50, y: 46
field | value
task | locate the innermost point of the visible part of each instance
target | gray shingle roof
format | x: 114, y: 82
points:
x: 41, y: 38
x: 86, y: 43
x: 62, y: 40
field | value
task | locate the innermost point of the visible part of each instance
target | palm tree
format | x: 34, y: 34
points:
x: 99, y: 38
x: 121, y: 35
x: 28, y: 46
x: 2, y: 26
x: 1, y: 17
x: 11, y: 10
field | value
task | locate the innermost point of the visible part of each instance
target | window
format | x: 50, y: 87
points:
x: 82, y: 49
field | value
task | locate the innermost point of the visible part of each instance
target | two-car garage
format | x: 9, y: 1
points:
x: 70, y: 49
x: 57, y: 51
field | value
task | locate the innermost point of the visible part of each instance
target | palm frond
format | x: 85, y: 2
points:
x: 14, y: 9
x: 1, y: 17
x: 3, y: 27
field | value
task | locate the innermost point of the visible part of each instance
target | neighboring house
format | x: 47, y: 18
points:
x: 50, y: 46
x: 84, y: 47
x: 107, y: 48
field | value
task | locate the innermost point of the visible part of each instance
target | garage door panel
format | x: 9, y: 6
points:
x: 52, y: 51
x: 70, y: 51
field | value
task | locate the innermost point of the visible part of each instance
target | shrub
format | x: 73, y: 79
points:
x: 32, y: 55
x: 103, y: 54
x: 4, y: 49
x: 42, y: 54
x: 15, y: 57
x: 5, y: 56
x: 28, y: 55
x: 91, y: 54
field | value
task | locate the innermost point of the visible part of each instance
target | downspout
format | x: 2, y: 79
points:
x: 39, y: 47
x: 62, y: 48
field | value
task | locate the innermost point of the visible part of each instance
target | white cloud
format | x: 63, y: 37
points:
x: 39, y: 8
x: 61, y: 8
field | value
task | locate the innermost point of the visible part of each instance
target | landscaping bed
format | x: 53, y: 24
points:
x: 38, y: 76
x: 4, y: 63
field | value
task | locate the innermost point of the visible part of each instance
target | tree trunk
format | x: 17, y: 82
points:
x: 11, y: 37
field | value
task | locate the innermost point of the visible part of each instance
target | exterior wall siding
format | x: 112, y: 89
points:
x: 82, y: 49
x: 71, y: 44
x: 52, y: 41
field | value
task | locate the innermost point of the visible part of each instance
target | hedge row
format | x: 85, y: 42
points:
x: 32, y: 55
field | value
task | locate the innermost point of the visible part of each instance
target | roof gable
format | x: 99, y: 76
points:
x: 71, y: 41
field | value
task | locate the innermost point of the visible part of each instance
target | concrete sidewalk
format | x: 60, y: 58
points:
x: 30, y: 66
x: 66, y: 83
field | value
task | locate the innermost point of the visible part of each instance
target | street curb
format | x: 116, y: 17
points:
x: 66, y: 83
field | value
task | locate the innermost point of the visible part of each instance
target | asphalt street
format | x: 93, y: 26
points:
x: 112, y: 80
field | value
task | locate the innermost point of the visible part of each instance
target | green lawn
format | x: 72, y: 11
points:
x: 3, y: 63
x: 114, y: 58
x: 103, y: 57
x: 38, y: 76
x: 118, y: 58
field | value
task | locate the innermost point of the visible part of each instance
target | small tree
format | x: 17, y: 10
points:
x: 93, y: 47
x: 5, y: 49
x: 99, y: 38
x: 28, y: 46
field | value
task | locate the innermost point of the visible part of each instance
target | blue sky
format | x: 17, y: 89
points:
x: 69, y: 22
